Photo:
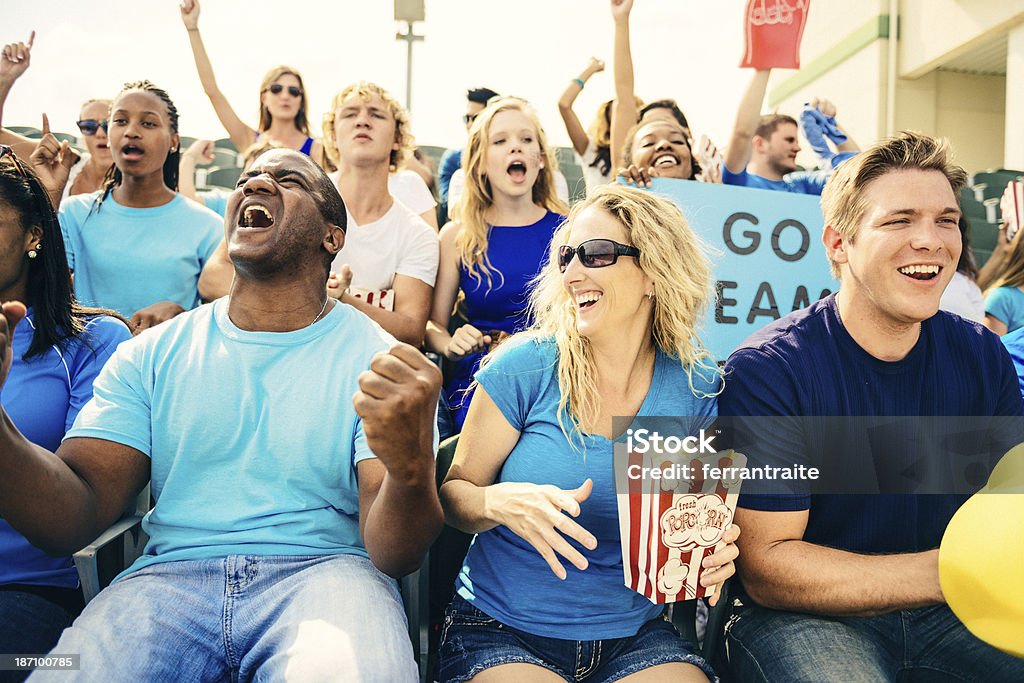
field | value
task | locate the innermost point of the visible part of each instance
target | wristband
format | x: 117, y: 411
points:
x: 580, y: 82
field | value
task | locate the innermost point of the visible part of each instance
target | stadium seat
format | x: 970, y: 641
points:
x: 223, y: 177
x: 27, y: 131
x: 225, y: 143
x: 572, y: 172
x: 184, y: 142
x: 114, y: 550
x: 991, y: 184
x: 433, y: 153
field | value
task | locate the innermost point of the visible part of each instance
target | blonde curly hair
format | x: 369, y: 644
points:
x: 366, y: 90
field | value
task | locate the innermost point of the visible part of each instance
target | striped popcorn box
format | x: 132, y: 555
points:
x: 670, y: 521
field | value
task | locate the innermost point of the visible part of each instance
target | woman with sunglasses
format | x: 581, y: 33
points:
x: 137, y: 246
x: 495, y: 246
x: 58, y: 349
x: 89, y: 168
x: 282, y: 99
x: 541, y: 595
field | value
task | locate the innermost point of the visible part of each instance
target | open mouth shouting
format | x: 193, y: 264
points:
x: 517, y: 171
x: 254, y: 217
x: 132, y: 153
x: 921, y: 272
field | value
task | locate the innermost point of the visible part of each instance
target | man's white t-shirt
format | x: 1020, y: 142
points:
x: 458, y: 185
x: 592, y: 175
x: 398, y: 243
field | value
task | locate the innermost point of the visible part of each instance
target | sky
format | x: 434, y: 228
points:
x: 686, y: 49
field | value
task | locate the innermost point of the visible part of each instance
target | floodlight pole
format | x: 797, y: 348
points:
x: 409, y: 37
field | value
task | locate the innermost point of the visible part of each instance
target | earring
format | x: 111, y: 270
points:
x: 34, y: 251
x: 650, y: 296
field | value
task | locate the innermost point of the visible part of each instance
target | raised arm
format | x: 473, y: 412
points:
x: 198, y: 151
x: 242, y: 135
x: 747, y: 116
x: 399, y: 512
x: 572, y: 122
x: 61, y: 503
x: 779, y: 570
x: 14, y: 61
x: 624, y: 111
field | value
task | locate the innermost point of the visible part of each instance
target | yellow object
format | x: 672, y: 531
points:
x: 981, y: 559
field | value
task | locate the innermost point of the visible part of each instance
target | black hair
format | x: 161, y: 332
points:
x: 481, y: 95
x: 114, y: 177
x: 57, y: 316
x: 332, y: 207
x: 666, y: 104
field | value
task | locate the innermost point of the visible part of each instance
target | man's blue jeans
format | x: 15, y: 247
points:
x: 244, y: 618
x: 927, y: 644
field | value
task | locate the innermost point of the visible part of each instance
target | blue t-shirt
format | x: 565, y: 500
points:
x: 517, y: 254
x: 252, y: 435
x: 807, y: 364
x: 1014, y: 343
x: 503, y: 575
x: 216, y: 200
x: 1007, y: 305
x: 42, y: 396
x: 126, y: 259
x: 800, y: 182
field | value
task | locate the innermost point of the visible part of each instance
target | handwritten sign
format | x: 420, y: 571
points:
x: 773, y: 30
x: 767, y: 255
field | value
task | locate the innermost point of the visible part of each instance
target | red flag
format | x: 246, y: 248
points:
x: 773, y: 30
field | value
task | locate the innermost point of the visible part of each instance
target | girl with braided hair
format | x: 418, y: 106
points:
x: 137, y: 246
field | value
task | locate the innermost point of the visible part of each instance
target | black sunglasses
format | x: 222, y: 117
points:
x: 469, y: 118
x: 90, y: 126
x: 597, y: 253
x: 293, y: 90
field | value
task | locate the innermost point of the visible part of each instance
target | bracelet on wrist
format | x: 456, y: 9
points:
x: 580, y: 82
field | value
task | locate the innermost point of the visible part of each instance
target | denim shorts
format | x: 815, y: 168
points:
x: 471, y: 642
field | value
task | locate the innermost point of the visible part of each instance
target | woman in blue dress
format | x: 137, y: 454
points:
x: 495, y: 246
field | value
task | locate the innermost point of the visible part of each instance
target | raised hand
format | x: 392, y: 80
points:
x: 190, y: 14
x: 52, y: 161
x: 534, y: 512
x: 621, y: 9
x: 16, y: 58
x: 153, y: 315
x: 200, y: 152
x: 339, y: 283
x: 595, y: 66
x: 826, y: 107
x: 466, y: 340
x: 396, y: 400
x: 13, y: 312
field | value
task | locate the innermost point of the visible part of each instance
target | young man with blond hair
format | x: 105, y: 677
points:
x: 846, y: 587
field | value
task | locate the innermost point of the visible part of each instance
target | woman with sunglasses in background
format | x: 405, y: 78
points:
x: 58, y: 349
x: 282, y: 99
x: 495, y: 246
x: 90, y: 167
x: 137, y: 246
x: 615, y: 316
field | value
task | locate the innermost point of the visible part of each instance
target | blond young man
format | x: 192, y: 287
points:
x: 846, y: 587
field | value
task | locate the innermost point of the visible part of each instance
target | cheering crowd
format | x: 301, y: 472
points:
x: 267, y: 360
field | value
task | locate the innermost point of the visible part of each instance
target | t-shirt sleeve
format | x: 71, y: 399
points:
x: 68, y: 216
x: 515, y: 378
x: 758, y: 385
x: 455, y: 189
x: 212, y: 235
x: 216, y: 201
x: 730, y: 178
x: 94, y: 347
x: 121, y: 407
x: 422, y: 253
x: 1014, y: 343
x: 562, y: 187
x: 999, y: 303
